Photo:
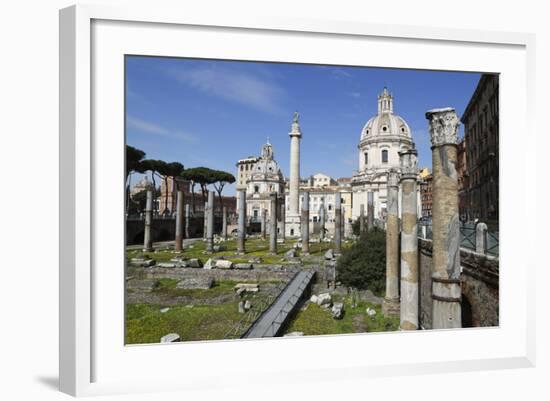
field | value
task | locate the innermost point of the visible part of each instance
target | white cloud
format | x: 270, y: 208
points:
x: 236, y: 86
x: 155, y: 129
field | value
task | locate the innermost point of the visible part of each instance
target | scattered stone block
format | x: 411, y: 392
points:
x: 247, y: 305
x: 164, y: 310
x: 194, y: 263
x: 224, y: 264
x: 329, y: 255
x: 142, y: 262
x: 324, y: 299
x: 294, y: 334
x: 338, y: 310
x: 255, y: 259
x: 241, y: 307
x: 170, y: 338
x: 313, y: 299
x: 290, y: 254
x: 210, y: 264
x: 195, y: 283
x: 218, y: 248
x: 371, y: 312
x: 167, y: 265
x: 247, y: 287
x: 370, y: 297
x: 243, y: 266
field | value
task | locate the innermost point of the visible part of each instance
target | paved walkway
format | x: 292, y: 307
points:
x: 273, y: 318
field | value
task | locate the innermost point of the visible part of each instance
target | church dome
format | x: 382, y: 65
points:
x: 385, y: 123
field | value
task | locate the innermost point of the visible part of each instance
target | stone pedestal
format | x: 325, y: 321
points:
x: 446, y: 291
x: 338, y: 223
x: 179, y: 222
x: 241, y: 228
x: 305, y: 223
x: 273, y: 225
x: 210, y: 223
x: 390, y: 305
x: 147, y: 239
x: 409, y: 241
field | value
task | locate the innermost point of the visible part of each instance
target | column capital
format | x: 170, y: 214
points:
x: 443, y: 126
x: 408, y: 161
x: 393, y: 178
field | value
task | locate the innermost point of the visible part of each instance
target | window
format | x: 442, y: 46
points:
x: 384, y: 156
x: 366, y: 158
x: 384, y: 128
x: 256, y: 189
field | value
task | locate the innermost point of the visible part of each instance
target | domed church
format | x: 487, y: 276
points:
x: 382, y: 138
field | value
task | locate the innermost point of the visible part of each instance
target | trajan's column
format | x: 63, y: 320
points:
x: 293, y: 216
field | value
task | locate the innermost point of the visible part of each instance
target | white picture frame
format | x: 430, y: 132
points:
x: 93, y: 358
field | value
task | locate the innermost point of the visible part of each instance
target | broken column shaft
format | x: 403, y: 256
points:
x: 304, y: 224
x: 241, y: 228
x: 273, y: 225
x: 179, y: 221
x: 338, y: 223
x: 147, y: 239
x: 390, y: 306
x: 210, y: 223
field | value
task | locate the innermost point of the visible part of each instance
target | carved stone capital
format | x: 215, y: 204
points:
x: 393, y: 178
x: 443, y: 126
x: 408, y: 160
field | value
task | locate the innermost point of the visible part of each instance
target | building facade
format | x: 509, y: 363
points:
x: 481, y: 135
x: 382, y: 138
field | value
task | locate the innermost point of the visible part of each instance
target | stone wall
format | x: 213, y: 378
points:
x: 479, y: 282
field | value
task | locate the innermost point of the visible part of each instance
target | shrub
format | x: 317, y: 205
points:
x: 363, y: 265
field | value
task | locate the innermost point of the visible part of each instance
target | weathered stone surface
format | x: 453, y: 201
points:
x: 142, y: 262
x: 247, y: 287
x: 371, y: 312
x: 369, y: 296
x: 329, y: 255
x: 241, y: 307
x: 198, y: 283
x: 194, y: 263
x: 313, y: 299
x: 338, y: 310
x: 164, y: 310
x: 167, y: 264
x: 324, y: 299
x: 243, y: 266
x: 170, y: 338
x: 210, y: 264
x: 219, y: 248
x: 148, y: 284
x: 255, y: 259
x: 224, y: 264
x: 291, y: 253
x: 247, y: 305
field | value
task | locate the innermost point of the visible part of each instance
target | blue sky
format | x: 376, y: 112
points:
x: 212, y: 113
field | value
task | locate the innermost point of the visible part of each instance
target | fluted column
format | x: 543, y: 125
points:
x: 370, y: 210
x: 409, y: 241
x: 187, y: 217
x: 338, y: 223
x: 210, y: 223
x: 446, y: 291
x: 305, y: 223
x: 322, y: 219
x: 273, y: 225
x: 179, y: 222
x: 390, y: 305
x: 147, y: 239
x: 241, y: 228
x: 224, y: 223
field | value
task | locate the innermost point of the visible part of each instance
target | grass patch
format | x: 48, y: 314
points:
x: 318, y: 321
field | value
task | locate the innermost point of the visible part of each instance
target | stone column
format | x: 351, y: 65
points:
x: 481, y: 238
x: 179, y: 222
x: 361, y: 219
x: 305, y: 223
x: 322, y: 219
x: 187, y: 217
x: 390, y: 306
x: 224, y: 223
x: 210, y: 225
x: 264, y: 223
x: 446, y: 292
x: 283, y: 220
x: 294, y: 184
x: 409, y: 241
x: 338, y: 223
x: 273, y: 225
x: 147, y: 239
x: 370, y: 210
x: 205, y: 220
x: 241, y: 228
